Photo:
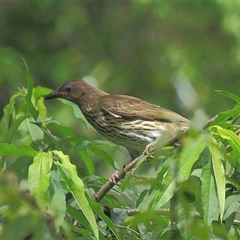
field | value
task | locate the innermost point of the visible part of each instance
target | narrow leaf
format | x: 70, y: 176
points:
x: 88, y: 162
x: 78, y: 114
x: 230, y: 136
x: 79, y: 217
x: 219, y: 175
x: 57, y: 206
x: 76, y: 187
x: 225, y: 116
x: 99, y: 211
x: 8, y: 111
x: 102, y: 154
x: 65, y: 131
x: 9, y: 149
x: 32, y: 109
x: 14, y: 127
x: 208, y: 191
x: 229, y: 95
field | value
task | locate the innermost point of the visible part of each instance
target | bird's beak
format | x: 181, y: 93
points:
x: 51, y: 95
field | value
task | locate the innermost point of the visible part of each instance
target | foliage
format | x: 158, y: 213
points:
x: 191, y: 191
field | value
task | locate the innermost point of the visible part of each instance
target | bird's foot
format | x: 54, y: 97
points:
x: 117, y: 175
x: 114, y: 178
x: 149, y: 151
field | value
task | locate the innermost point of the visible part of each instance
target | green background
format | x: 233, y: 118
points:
x: 174, y: 54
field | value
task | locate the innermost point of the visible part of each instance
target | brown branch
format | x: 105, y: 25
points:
x: 120, y: 175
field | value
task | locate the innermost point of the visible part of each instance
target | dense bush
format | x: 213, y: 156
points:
x: 188, y: 192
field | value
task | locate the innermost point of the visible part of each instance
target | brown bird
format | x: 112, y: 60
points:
x: 124, y: 120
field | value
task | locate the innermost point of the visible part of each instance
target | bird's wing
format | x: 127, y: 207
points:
x: 131, y: 107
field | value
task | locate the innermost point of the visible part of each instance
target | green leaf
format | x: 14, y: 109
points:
x: 219, y: 175
x: 65, y: 131
x: 78, y: 114
x: 227, y: 115
x: 30, y: 132
x: 88, y: 162
x: 31, y: 108
x: 14, y: 127
x: 39, y: 175
x: 229, y: 95
x: 233, y: 140
x: 80, y: 218
x: 40, y: 91
x: 8, y: 111
x: 99, y: 211
x: 185, y: 213
x: 29, y: 80
x: 102, y: 154
x: 76, y: 187
x: 232, y: 205
x: 180, y: 171
x: 38, y: 94
x: 9, y: 149
x: 208, y: 191
x: 42, y: 111
x: 230, y: 136
x: 57, y: 206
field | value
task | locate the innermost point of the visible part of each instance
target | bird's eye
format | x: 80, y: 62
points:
x: 68, y: 88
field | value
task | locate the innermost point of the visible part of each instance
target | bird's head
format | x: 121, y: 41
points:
x: 72, y: 90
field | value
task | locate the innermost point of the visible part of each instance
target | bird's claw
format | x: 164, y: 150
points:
x: 114, y: 178
x: 149, y: 151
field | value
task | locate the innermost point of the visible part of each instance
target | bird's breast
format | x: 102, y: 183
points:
x: 131, y: 133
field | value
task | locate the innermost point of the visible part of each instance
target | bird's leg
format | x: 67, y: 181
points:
x: 149, y: 150
x: 133, y: 153
x: 115, y: 177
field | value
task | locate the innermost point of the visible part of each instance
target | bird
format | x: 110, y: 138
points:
x: 124, y: 120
